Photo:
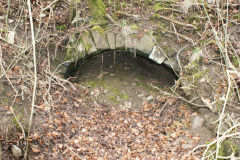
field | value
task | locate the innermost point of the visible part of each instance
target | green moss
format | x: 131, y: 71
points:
x: 148, y: 2
x: 97, y: 9
x: 113, y: 99
x: 115, y: 91
x: 123, y: 5
x: 82, y: 41
x: 155, y: 17
x: 235, y: 61
x: 236, y: 16
x: 99, y: 22
x: 15, y: 119
x: 61, y: 27
x: 92, y: 84
x: 227, y: 147
x: 134, y: 27
x: 124, y: 96
x: 199, y: 75
x: 192, y: 68
x: 158, y: 7
x: 98, y: 29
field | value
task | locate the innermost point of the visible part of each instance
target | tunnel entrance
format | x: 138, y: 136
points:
x: 121, y: 79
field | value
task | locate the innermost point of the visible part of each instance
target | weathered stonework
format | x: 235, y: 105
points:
x: 99, y: 37
x: 157, y: 56
x: 111, y: 37
x: 146, y: 43
x: 120, y: 41
x: 195, y: 79
x: 172, y: 63
x: 126, y: 39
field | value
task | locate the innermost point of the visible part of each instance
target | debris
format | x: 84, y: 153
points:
x: 149, y: 98
x: 16, y: 151
x: 198, y: 121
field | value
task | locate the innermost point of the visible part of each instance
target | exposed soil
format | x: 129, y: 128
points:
x: 123, y: 80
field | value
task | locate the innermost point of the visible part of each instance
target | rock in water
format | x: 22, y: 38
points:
x: 16, y: 151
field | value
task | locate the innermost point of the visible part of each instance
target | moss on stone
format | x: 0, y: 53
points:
x: 227, y: 147
x: 199, y: 75
x: 99, y: 29
x: 134, y: 27
x: 192, y: 68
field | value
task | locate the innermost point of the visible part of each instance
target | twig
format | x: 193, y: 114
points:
x: 180, y: 35
x: 75, y: 154
x: 171, y: 9
x: 6, y: 20
x: 213, y: 142
x: 14, y: 61
x: 12, y: 111
x: 111, y: 19
x: 222, y: 113
x: 35, y: 78
x: 2, y: 39
x: 178, y: 97
x: 162, y: 108
x: 165, y: 55
x: 49, y: 5
x: 134, y: 17
x: 60, y: 79
x: 2, y: 67
x: 175, y: 31
x: 177, y: 22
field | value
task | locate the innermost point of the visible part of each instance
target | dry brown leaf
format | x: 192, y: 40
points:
x: 35, y: 150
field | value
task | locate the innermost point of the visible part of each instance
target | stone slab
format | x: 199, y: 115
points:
x: 92, y: 48
x: 157, y: 56
x: 146, y: 43
x: 120, y: 41
x: 86, y: 44
x: 172, y: 63
x: 131, y: 42
x: 197, y: 122
x: 111, y: 37
x: 99, y: 38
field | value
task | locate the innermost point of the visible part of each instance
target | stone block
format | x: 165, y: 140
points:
x: 146, y: 43
x: 157, y: 56
x: 99, y: 38
x: 197, y: 122
x: 131, y: 42
x: 172, y: 63
x: 111, y: 37
x: 86, y: 44
x: 120, y: 41
x: 90, y: 48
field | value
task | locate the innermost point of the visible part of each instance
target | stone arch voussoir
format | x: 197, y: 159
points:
x: 129, y: 38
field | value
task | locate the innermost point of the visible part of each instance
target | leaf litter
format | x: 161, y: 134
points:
x: 79, y: 130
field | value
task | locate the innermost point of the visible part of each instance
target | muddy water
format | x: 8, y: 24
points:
x: 118, y: 79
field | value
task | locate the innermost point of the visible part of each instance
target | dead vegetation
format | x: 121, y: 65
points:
x: 28, y: 44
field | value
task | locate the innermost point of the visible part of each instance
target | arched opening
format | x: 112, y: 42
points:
x: 121, y: 78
